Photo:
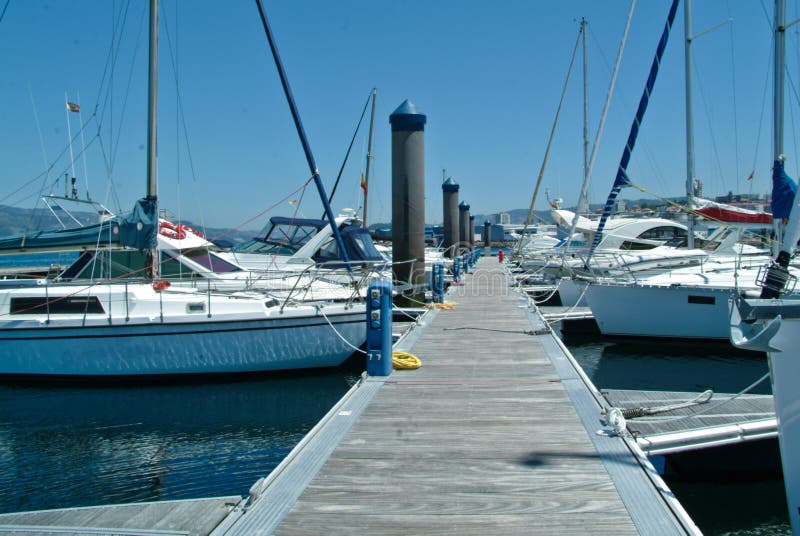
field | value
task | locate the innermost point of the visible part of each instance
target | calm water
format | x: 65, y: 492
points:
x: 63, y: 446
x: 726, y: 502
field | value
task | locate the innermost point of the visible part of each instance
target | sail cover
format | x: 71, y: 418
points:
x: 621, y: 179
x: 729, y: 213
x: 783, y: 191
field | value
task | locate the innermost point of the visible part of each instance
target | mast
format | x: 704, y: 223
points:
x: 585, y: 188
x: 778, y: 273
x: 583, y: 204
x: 152, y: 155
x: 778, y: 79
x: 369, y: 154
x: 687, y: 18
x: 312, y: 165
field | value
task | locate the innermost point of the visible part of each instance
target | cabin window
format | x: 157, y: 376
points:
x: 56, y: 306
x: 211, y: 262
x: 702, y: 300
x: 199, y: 307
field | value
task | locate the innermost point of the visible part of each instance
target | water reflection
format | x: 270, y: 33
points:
x: 66, y: 446
x: 669, y: 367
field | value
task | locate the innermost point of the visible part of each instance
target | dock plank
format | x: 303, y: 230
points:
x: 482, y: 439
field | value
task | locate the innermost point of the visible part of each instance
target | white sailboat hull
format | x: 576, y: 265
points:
x: 142, y: 333
x: 660, y: 311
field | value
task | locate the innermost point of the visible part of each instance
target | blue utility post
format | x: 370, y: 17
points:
x: 437, y: 275
x: 457, y: 269
x: 465, y: 262
x: 379, y: 328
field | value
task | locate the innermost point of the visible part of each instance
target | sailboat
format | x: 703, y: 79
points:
x: 771, y: 323
x: 145, y: 325
x: 681, y: 303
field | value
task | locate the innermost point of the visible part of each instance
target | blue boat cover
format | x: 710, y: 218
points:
x: 783, y: 192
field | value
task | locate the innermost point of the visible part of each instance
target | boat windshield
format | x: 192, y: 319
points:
x: 358, y: 243
x: 284, y: 237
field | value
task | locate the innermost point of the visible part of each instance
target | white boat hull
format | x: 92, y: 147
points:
x: 190, y: 348
x: 131, y: 330
x: 661, y: 311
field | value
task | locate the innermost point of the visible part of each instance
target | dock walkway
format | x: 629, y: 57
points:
x: 499, y: 432
x: 483, y: 439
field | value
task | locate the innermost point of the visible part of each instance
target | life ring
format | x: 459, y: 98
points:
x: 169, y: 230
x: 183, y: 229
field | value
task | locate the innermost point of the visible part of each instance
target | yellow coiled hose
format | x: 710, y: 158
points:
x: 405, y: 361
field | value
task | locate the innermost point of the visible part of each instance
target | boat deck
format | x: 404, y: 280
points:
x: 488, y: 437
x: 724, y: 419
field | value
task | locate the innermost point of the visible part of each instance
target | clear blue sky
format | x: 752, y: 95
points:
x: 487, y: 75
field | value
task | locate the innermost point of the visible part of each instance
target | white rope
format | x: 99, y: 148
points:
x: 707, y: 409
x: 357, y: 349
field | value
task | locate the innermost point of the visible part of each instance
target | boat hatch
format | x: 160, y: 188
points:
x: 702, y: 300
x: 39, y: 305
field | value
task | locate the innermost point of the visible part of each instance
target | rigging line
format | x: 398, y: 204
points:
x: 710, y: 119
x: 585, y: 188
x: 184, y: 128
x: 347, y: 154
x: 107, y: 79
x: 115, y: 147
x: 626, y: 108
x: 39, y: 132
x: 735, y: 106
x: 763, y: 110
x: 278, y: 203
x: 550, y: 140
x: 3, y: 14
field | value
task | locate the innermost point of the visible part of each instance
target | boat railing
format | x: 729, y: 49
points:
x: 350, y: 282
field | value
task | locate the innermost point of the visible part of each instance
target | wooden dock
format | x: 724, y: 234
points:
x: 485, y: 438
x: 499, y: 432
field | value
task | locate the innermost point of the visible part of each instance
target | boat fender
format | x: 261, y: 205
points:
x: 160, y: 285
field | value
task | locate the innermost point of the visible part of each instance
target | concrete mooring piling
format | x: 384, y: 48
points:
x: 463, y: 226
x: 487, y: 238
x: 471, y: 232
x: 450, y: 214
x: 408, y: 200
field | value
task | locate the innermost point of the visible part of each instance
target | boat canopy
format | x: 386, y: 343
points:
x: 284, y: 236
x: 358, y: 243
